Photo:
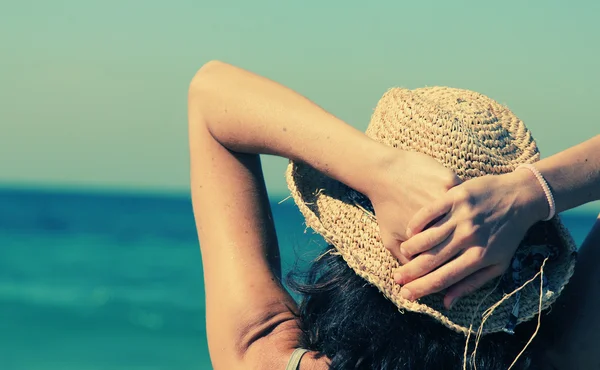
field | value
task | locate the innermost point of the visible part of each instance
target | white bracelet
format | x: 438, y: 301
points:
x: 545, y: 187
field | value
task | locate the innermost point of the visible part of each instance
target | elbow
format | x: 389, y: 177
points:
x: 208, y: 93
x: 201, y: 91
x: 206, y: 87
x: 205, y: 77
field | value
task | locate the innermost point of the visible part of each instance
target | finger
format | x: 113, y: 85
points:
x: 470, y: 284
x: 426, y: 262
x: 442, y: 278
x: 429, y: 238
x: 428, y: 214
x: 392, y: 244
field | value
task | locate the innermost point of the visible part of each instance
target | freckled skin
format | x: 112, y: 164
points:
x: 251, y: 323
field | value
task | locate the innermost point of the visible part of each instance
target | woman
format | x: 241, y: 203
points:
x: 252, y: 322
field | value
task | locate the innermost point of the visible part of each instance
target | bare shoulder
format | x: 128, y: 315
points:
x: 271, y: 342
x: 274, y: 350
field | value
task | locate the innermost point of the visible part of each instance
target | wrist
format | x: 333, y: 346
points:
x: 371, y: 162
x: 383, y: 162
x: 531, y: 198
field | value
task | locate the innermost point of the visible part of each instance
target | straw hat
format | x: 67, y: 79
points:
x: 474, y: 136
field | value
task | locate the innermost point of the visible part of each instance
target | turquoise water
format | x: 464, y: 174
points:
x: 114, y: 281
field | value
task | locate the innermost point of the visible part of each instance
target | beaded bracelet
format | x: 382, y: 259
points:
x: 545, y: 187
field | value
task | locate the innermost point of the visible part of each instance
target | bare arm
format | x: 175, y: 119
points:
x: 248, y: 113
x: 235, y: 115
x: 503, y: 205
x: 573, y: 175
x: 486, y: 218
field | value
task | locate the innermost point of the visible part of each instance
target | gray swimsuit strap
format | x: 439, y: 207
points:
x: 294, y: 363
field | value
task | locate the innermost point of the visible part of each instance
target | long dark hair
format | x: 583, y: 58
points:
x: 346, y: 319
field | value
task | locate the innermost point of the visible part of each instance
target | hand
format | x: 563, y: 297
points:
x: 484, y: 221
x: 406, y: 182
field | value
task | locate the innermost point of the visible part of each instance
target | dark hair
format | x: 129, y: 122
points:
x: 346, y: 319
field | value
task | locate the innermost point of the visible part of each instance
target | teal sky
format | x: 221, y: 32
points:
x: 93, y: 93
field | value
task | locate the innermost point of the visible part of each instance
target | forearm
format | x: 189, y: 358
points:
x: 574, y: 174
x: 251, y: 114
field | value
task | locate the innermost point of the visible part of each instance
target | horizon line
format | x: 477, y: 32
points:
x: 111, y: 190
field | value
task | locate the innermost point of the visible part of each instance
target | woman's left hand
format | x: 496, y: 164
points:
x: 484, y: 220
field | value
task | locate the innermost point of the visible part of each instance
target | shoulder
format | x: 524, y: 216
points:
x: 274, y: 351
x: 266, y: 343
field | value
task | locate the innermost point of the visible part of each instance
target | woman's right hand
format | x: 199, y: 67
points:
x: 484, y: 220
x: 404, y: 183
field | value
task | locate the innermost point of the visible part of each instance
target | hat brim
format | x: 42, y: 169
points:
x: 326, y: 208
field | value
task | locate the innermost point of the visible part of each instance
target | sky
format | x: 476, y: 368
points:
x: 93, y: 93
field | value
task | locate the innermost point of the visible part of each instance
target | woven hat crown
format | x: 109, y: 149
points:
x: 467, y: 132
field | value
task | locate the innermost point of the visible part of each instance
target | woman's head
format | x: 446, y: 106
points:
x: 356, y: 327
x: 473, y: 136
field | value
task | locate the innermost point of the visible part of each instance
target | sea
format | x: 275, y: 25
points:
x: 107, y: 281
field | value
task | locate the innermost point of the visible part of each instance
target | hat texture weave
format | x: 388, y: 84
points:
x: 470, y: 134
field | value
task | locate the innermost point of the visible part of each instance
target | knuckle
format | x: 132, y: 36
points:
x: 429, y: 241
x: 439, y: 284
x: 477, y: 254
x: 464, y: 238
x: 407, y: 248
x: 428, y: 210
x: 407, y: 276
x: 470, y: 229
x: 452, y: 180
x: 476, y: 258
x: 429, y: 264
x: 462, y: 195
x: 468, y: 211
x: 411, y: 224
